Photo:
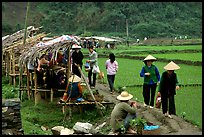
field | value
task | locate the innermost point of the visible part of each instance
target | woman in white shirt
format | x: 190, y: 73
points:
x: 112, y: 68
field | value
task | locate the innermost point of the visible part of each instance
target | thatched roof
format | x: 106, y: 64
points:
x: 9, y: 40
x: 52, y: 46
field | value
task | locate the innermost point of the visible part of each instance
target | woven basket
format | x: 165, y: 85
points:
x: 84, y: 87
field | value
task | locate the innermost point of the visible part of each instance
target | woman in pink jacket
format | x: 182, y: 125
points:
x: 112, y: 68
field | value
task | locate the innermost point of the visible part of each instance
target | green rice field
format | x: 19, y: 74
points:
x: 182, y: 56
x: 129, y: 72
x: 188, y: 99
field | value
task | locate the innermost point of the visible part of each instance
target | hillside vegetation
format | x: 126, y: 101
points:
x: 144, y: 19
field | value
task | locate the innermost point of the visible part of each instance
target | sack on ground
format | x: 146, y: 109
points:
x: 158, y: 102
x: 96, y: 69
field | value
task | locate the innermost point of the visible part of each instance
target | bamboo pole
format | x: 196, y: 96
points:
x: 97, y: 103
x: 10, y: 68
x: 28, y: 84
x: 68, y: 75
x: 36, y: 91
x: 51, y: 95
x: 7, y: 64
x: 24, y: 40
x: 13, y: 68
x: 25, y: 33
x: 69, y: 62
x: 31, y: 85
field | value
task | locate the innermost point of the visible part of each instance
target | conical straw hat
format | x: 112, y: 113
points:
x: 171, y: 66
x: 124, y: 96
x: 74, y: 78
x: 150, y: 57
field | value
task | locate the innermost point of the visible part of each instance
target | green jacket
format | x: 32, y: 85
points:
x: 152, y: 76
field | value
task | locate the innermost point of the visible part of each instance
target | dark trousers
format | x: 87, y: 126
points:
x: 40, y: 81
x: 75, y: 70
x: 146, y: 93
x: 168, y: 103
x: 94, y: 78
x: 111, y: 79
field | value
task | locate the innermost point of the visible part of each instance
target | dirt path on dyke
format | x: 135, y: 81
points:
x: 174, y: 126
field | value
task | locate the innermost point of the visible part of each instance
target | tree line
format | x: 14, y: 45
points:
x: 137, y: 19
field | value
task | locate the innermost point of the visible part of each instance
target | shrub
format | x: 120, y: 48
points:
x: 5, y: 80
x: 9, y: 92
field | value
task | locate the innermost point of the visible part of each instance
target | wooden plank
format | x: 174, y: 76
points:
x: 41, y: 89
x: 84, y: 103
x: 13, y: 75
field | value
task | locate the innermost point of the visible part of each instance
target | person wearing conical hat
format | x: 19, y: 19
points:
x: 167, y: 89
x: 151, y: 76
x: 124, y: 111
x: 77, y: 58
x: 74, y: 90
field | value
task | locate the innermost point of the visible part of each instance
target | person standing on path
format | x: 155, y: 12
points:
x: 93, y: 60
x: 167, y: 89
x: 151, y: 79
x: 112, y: 68
x: 77, y: 57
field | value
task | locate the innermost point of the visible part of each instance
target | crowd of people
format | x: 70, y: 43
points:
x: 126, y: 109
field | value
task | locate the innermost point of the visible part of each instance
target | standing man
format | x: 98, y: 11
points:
x: 151, y: 78
x: 77, y: 57
x: 93, y: 57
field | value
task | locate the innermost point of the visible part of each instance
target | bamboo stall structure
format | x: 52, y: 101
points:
x: 33, y: 54
x: 18, y: 55
x: 12, y: 47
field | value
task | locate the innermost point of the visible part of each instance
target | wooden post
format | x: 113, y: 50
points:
x: 13, y: 68
x: 68, y: 73
x: 31, y: 84
x: 69, y: 63
x: 10, y: 68
x: 28, y: 84
x: 25, y: 33
x: 35, y: 77
x: 37, y: 95
x: 20, y: 83
x: 51, y: 95
x: 7, y: 64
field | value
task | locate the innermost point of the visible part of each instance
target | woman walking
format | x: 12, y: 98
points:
x: 112, y: 68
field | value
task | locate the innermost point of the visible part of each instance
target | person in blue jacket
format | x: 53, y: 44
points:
x: 151, y: 79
